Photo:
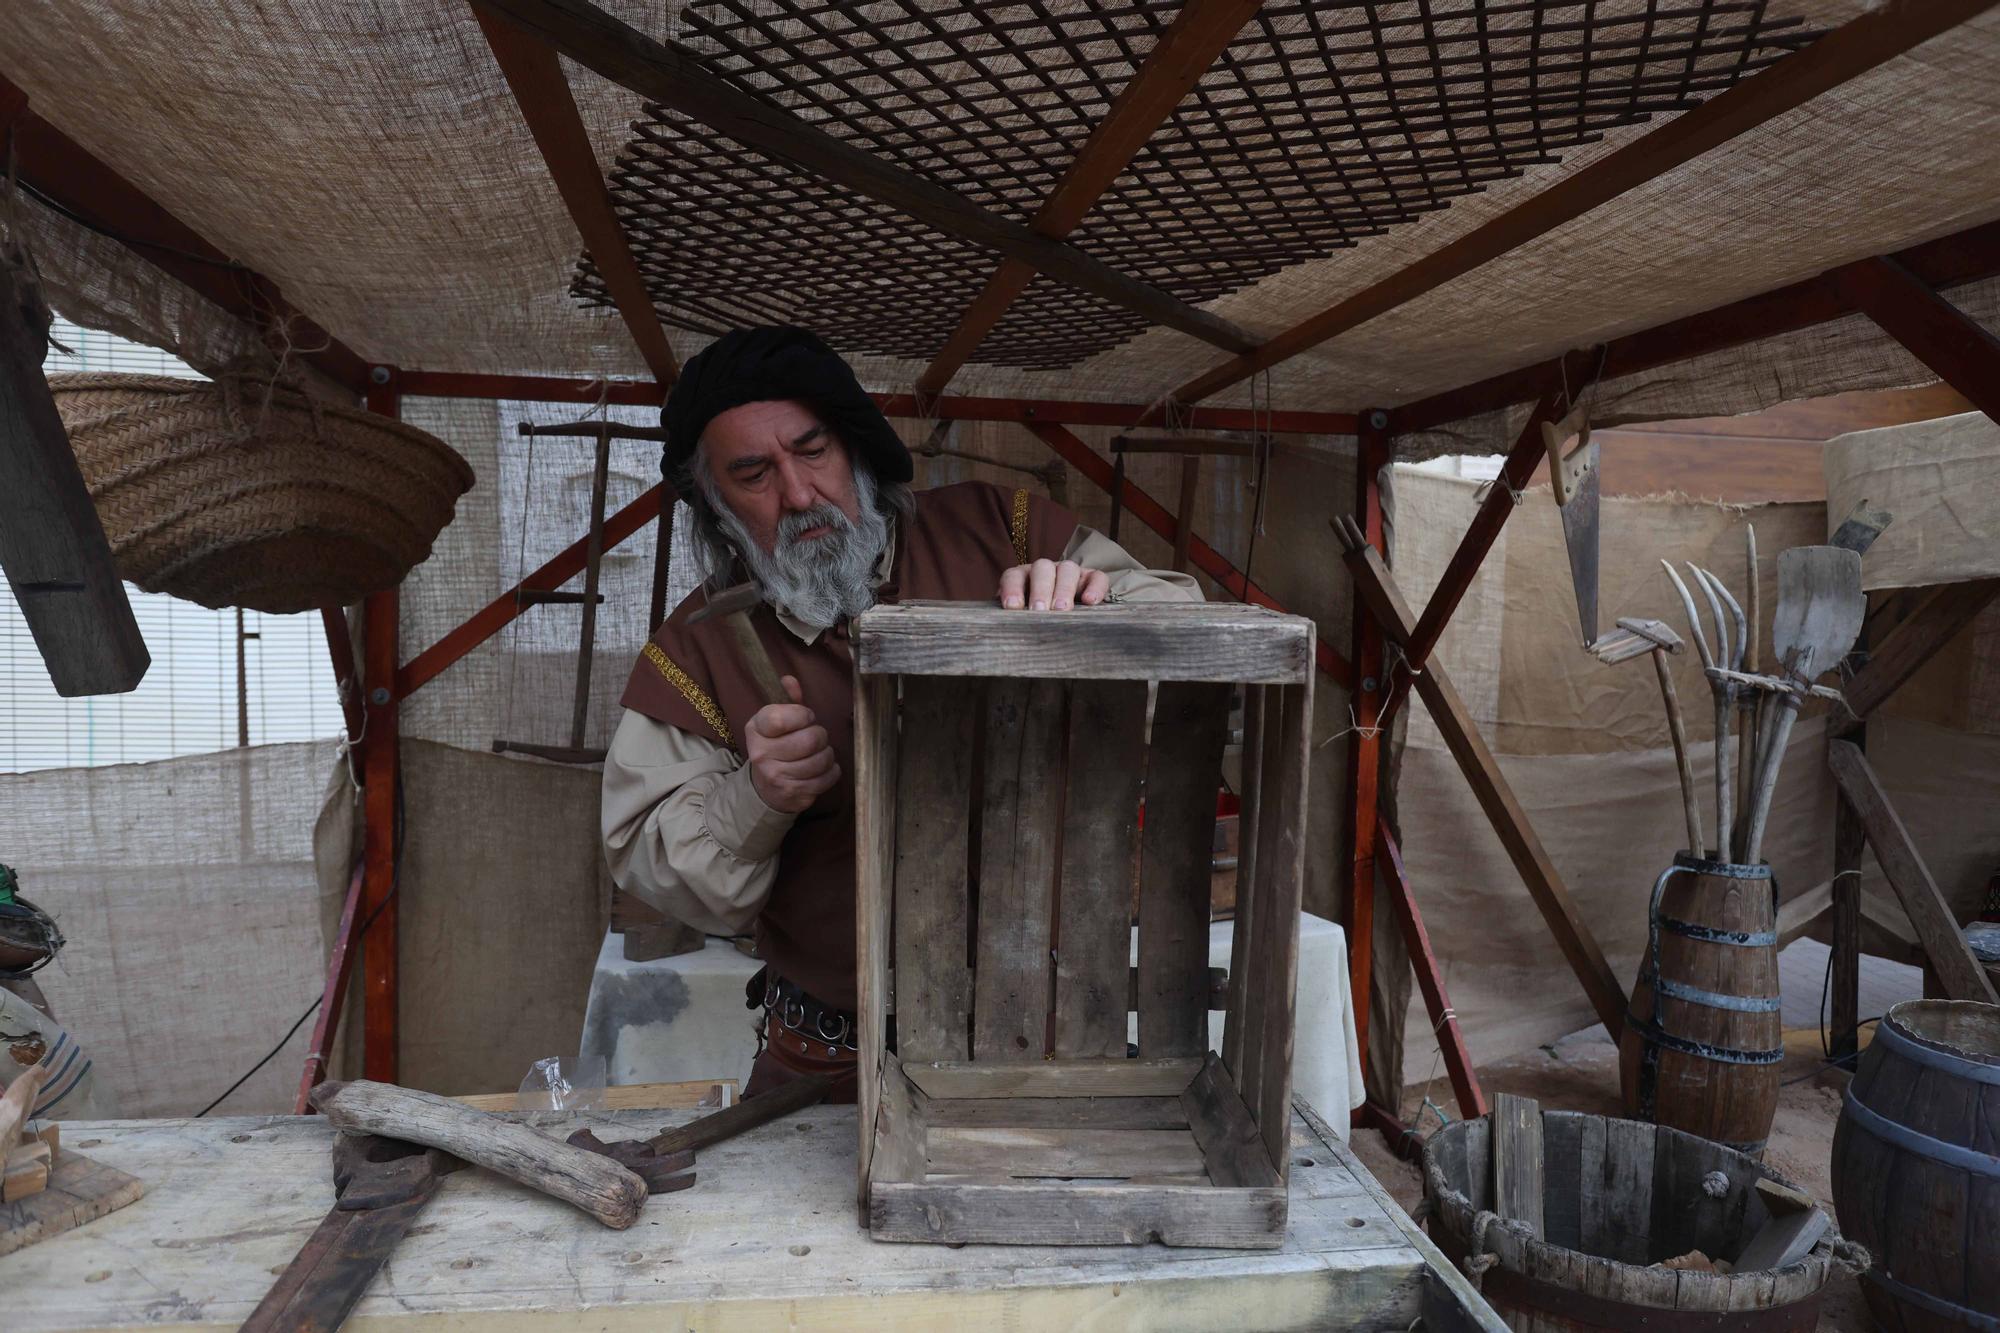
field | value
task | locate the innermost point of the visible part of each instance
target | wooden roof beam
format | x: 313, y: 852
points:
x: 1853, y: 49
x: 534, y: 74
x: 55, y: 167
x: 1966, y: 256
x: 1961, y: 352
x: 675, y: 78
x: 1197, y: 37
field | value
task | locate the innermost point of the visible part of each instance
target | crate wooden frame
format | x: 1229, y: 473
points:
x: 983, y: 1130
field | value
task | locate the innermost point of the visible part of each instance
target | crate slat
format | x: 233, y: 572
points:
x: 933, y: 802
x: 1126, y: 641
x: 1055, y: 1078
x: 1057, y: 1113
x: 1190, y: 724
x: 1020, y: 807
x: 1231, y: 1147
x: 1107, y: 741
x: 1094, y: 1153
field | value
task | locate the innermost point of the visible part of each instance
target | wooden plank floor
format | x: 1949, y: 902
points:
x: 767, y: 1238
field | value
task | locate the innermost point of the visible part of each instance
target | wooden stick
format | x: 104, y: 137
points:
x: 17, y: 1103
x: 590, y: 1181
x: 725, y: 1124
x: 1678, y: 730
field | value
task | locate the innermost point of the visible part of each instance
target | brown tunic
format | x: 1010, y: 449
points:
x: 953, y: 548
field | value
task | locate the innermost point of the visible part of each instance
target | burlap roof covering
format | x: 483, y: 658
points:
x: 371, y: 162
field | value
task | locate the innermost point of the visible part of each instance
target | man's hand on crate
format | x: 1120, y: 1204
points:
x: 1046, y: 585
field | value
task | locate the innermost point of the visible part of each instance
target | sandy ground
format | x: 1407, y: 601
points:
x: 1580, y: 1073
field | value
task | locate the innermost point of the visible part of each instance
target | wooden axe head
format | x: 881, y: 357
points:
x: 729, y: 602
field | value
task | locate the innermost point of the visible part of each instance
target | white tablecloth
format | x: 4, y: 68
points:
x: 683, y: 1018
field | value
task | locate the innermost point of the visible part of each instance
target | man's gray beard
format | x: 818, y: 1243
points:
x: 823, y: 581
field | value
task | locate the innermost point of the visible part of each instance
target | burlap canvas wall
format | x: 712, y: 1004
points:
x: 1584, y: 746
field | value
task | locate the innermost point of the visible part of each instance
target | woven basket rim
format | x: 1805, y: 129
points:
x: 286, y: 398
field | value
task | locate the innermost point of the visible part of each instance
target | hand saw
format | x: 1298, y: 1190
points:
x: 1573, y: 478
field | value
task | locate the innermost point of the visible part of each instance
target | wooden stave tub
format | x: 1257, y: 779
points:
x: 1546, y: 1286
x: 1942, y: 1056
x: 1701, y: 1052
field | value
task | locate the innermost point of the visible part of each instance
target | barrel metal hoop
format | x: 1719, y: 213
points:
x: 1504, y: 1286
x: 1924, y: 1300
x: 1728, y: 1055
x: 1742, y: 1004
x: 1748, y: 939
x: 1920, y: 1144
x: 1917, y: 1052
x: 1722, y: 869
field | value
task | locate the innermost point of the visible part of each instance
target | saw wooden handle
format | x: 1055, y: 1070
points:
x: 591, y: 1181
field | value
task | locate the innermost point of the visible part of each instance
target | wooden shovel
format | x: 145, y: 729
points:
x: 1819, y: 614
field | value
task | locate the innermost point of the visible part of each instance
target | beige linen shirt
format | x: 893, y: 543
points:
x: 684, y: 828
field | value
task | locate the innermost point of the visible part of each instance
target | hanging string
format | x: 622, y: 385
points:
x: 1262, y: 451
x: 1354, y: 728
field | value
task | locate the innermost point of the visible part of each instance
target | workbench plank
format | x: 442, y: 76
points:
x: 1107, y: 746
x: 1183, y: 772
x: 765, y: 1238
x: 1019, y: 825
x: 933, y: 804
x: 1221, y: 641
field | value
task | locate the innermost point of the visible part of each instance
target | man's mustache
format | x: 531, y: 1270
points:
x: 791, y: 526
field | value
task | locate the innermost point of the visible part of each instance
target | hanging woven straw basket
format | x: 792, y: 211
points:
x: 245, y: 492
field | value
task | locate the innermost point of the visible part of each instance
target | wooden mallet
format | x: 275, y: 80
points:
x: 734, y: 606
x: 1633, y: 637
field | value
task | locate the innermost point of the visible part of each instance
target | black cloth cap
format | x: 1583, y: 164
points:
x: 774, y: 363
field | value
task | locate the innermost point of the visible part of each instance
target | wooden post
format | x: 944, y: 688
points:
x: 381, y: 772
x: 1364, y: 748
x: 1184, y: 520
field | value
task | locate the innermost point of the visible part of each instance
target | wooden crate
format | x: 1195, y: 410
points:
x: 1001, y: 758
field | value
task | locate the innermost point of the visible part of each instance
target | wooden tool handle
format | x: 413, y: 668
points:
x: 756, y: 660
x: 594, y: 1183
x: 759, y: 1110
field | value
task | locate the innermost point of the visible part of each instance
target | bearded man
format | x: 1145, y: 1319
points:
x: 725, y: 811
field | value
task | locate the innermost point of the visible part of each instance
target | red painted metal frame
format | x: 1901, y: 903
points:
x: 1364, y: 752
x: 381, y: 773
x: 1430, y: 981
x: 498, y: 613
x: 1965, y: 256
x: 950, y: 407
x: 340, y: 647
x: 333, y: 995
x: 1155, y: 516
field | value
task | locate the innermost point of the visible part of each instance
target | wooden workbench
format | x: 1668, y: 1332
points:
x: 767, y: 1238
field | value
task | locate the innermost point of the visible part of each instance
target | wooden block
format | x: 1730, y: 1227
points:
x: 1784, y: 1240
x: 1232, y: 1149
x: 1781, y: 1199
x: 1020, y: 808
x: 1056, y: 1078
x: 51, y: 1134
x: 1218, y: 641
x: 1517, y: 1159
x: 1183, y: 767
x: 26, y: 1172
x: 1958, y: 971
x: 933, y: 804
x: 1100, y: 846
x: 78, y: 1190
x: 900, y: 1127
x: 16, y: 1104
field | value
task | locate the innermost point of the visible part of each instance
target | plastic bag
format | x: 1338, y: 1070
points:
x: 563, y: 1083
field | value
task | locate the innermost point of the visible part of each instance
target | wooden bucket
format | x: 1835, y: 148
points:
x: 1618, y: 1196
x: 1703, y: 1038
x: 1915, y: 1176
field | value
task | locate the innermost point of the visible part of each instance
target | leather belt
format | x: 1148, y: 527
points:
x: 820, y: 1030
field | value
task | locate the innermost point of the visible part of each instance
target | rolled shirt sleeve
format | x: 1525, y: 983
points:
x: 684, y: 828
x: 1130, y: 581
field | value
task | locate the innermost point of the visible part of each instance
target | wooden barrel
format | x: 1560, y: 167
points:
x: 1703, y: 1038
x: 1617, y: 1197
x: 1915, y: 1175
